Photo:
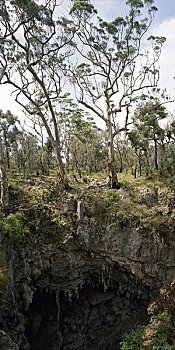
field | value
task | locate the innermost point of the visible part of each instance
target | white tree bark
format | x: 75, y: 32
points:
x: 4, y: 199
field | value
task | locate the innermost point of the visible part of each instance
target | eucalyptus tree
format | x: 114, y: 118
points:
x: 9, y: 128
x: 147, y: 118
x: 67, y: 118
x: 48, y: 159
x: 169, y: 147
x: 111, y: 70
x: 124, y: 152
x: 4, y: 197
x: 86, y: 146
x: 37, y: 129
x: 77, y: 130
x: 33, y: 48
x: 29, y: 153
x: 8, y: 132
x: 140, y: 144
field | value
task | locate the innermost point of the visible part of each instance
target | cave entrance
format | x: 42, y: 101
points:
x: 92, y: 320
x: 41, y: 331
x: 96, y: 319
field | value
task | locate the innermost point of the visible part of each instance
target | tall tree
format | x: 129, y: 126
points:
x: 9, y: 129
x: 4, y: 199
x: 33, y: 48
x: 140, y: 143
x: 113, y: 70
x: 147, y: 119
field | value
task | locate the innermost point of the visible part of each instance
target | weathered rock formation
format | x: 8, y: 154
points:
x: 80, y: 285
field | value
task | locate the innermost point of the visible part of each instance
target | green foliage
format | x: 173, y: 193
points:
x: 156, y: 222
x: 123, y: 216
x: 83, y: 6
x: 161, y: 340
x: 159, y: 331
x: 161, y: 343
x: 95, y: 206
x: 31, y: 10
x: 46, y: 45
x: 113, y: 196
x: 133, y: 340
x: 15, y: 191
x: 15, y: 226
x: 135, y: 3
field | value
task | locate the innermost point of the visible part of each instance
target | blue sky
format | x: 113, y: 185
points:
x: 166, y: 10
x: 163, y: 25
x: 112, y: 8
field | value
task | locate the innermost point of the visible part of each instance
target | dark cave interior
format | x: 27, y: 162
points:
x: 93, y: 319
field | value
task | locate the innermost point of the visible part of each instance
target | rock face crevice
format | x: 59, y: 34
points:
x: 42, y: 331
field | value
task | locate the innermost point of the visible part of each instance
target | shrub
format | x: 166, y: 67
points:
x: 161, y: 339
x: 112, y: 196
x: 123, y: 217
x: 133, y: 340
x: 15, y: 191
x: 14, y: 225
x: 161, y: 343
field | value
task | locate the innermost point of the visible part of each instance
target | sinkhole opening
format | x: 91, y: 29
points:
x: 94, y: 319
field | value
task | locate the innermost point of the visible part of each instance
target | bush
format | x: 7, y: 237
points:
x: 15, y: 191
x: 161, y: 340
x: 160, y: 343
x: 112, y: 196
x: 123, y: 217
x: 14, y: 225
x: 133, y: 340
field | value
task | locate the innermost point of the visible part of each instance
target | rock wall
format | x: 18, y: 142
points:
x: 80, y: 288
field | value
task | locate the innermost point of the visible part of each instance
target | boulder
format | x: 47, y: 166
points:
x: 148, y: 198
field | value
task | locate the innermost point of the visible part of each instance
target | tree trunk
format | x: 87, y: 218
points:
x: 3, y: 178
x: 112, y: 173
x: 155, y: 153
x: 121, y: 158
x: 140, y: 168
x: 67, y: 146
x: 6, y: 149
x: 147, y: 164
x: 56, y: 145
x: 62, y: 175
x: 68, y: 159
x: 43, y: 168
x: 162, y: 155
x: 135, y: 172
x: 7, y: 156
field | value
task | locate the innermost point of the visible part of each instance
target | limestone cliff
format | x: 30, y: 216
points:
x: 81, y: 281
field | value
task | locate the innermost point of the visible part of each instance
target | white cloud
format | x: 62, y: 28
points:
x: 7, y: 100
x: 166, y: 62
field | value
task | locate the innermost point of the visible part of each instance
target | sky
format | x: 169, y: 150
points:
x: 163, y: 25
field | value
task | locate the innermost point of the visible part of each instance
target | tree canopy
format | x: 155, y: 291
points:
x: 66, y: 70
